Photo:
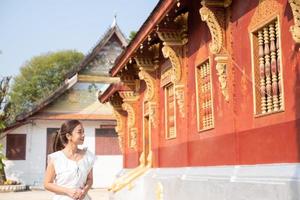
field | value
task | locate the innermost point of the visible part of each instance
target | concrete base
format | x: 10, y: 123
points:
x: 259, y: 182
x: 12, y: 188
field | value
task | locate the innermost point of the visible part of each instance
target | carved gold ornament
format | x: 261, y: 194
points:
x: 215, y: 29
x: 131, y: 123
x: 118, y: 129
x: 179, y: 94
x: 133, y: 138
x: 143, y: 75
x: 131, y: 114
x: 222, y: 75
x: 168, y: 52
x: 295, y: 29
x: 265, y: 11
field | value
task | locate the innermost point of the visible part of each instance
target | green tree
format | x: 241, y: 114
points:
x: 4, y: 86
x: 38, y: 78
x: 132, y: 34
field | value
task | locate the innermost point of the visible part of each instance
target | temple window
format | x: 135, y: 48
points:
x: 170, y: 111
x: 16, y: 146
x: 267, y: 67
x: 204, y: 97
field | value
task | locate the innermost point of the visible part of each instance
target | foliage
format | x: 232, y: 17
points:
x: 2, y: 165
x: 38, y: 78
x: 2, y: 158
x: 4, y: 86
x: 132, y: 34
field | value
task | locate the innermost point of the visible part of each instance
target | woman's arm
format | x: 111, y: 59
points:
x: 49, y: 185
x: 88, y: 184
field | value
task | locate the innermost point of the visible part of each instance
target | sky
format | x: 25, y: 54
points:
x: 33, y: 27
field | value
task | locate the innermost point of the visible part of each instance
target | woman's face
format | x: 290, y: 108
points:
x: 77, y: 135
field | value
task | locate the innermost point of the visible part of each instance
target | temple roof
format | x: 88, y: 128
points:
x: 71, y: 78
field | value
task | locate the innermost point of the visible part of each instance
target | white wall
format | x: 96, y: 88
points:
x: 31, y: 171
x: 104, y: 168
x: 252, y: 182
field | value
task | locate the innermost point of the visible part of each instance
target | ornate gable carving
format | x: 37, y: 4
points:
x: 265, y: 11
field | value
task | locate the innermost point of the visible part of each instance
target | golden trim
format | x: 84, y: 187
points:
x: 145, y: 63
x: 159, y: 191
x: 132, y: 131
x: 128, y: 178
x: 143, y: 75
x: 118, y: 129
x: 178, y: 37
x: 98, y: 79
x: 131, y: 114
x: 215, y: 29
x: 221, y: 68
x: 129, y: 96
x: 265, y: 10
x: 295, y: 29
x: 182, y: 21
x: 168, y: 52
x: 179, y: 95
x: 166, y: 112
x: 224, y: 3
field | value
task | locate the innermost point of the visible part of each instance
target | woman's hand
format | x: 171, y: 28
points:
x: 75, y: 194
x: 83, y: 193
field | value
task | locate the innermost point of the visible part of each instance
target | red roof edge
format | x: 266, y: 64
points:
x: 112, y: 88
x: 154, y: 18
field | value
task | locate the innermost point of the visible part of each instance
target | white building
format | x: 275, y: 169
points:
x: 29, y: 140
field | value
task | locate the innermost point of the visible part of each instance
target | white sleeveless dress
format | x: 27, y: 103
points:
x: 70, y: 173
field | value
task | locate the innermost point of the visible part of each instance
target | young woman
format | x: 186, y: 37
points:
x: 69, y: 172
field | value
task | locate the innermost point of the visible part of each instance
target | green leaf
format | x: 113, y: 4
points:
x: 40, y: 76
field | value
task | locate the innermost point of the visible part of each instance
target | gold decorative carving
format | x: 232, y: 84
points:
x: 151, y: 110
x: 295, y: 29
x: 214, y: 27
x: 176, y: 37
x: 266, y: 10
x: 168, y: 52
x: 217, y: 3
x: 131, y: 123
x: 155, y: 49
x: 131, y: 114
x: 222, y: 75
x: 179, y: 94
x: 143, y: 75
x: 166, y: 77
x: 171, y: 38
x: 129, y: 96
x: 116, y: 102
x: 159, y: 191
x: 118, y: 129
x: 128, y: 178
x: 182, y: 21
x: 145, y: 63
x: 133, y: 138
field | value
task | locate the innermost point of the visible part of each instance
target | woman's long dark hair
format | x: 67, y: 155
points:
x: 60, y: 139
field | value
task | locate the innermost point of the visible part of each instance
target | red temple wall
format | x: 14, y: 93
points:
x: 238, y: 137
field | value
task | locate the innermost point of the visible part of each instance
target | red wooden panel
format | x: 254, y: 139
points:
x: 16, y: 147
x: 107, y: 142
